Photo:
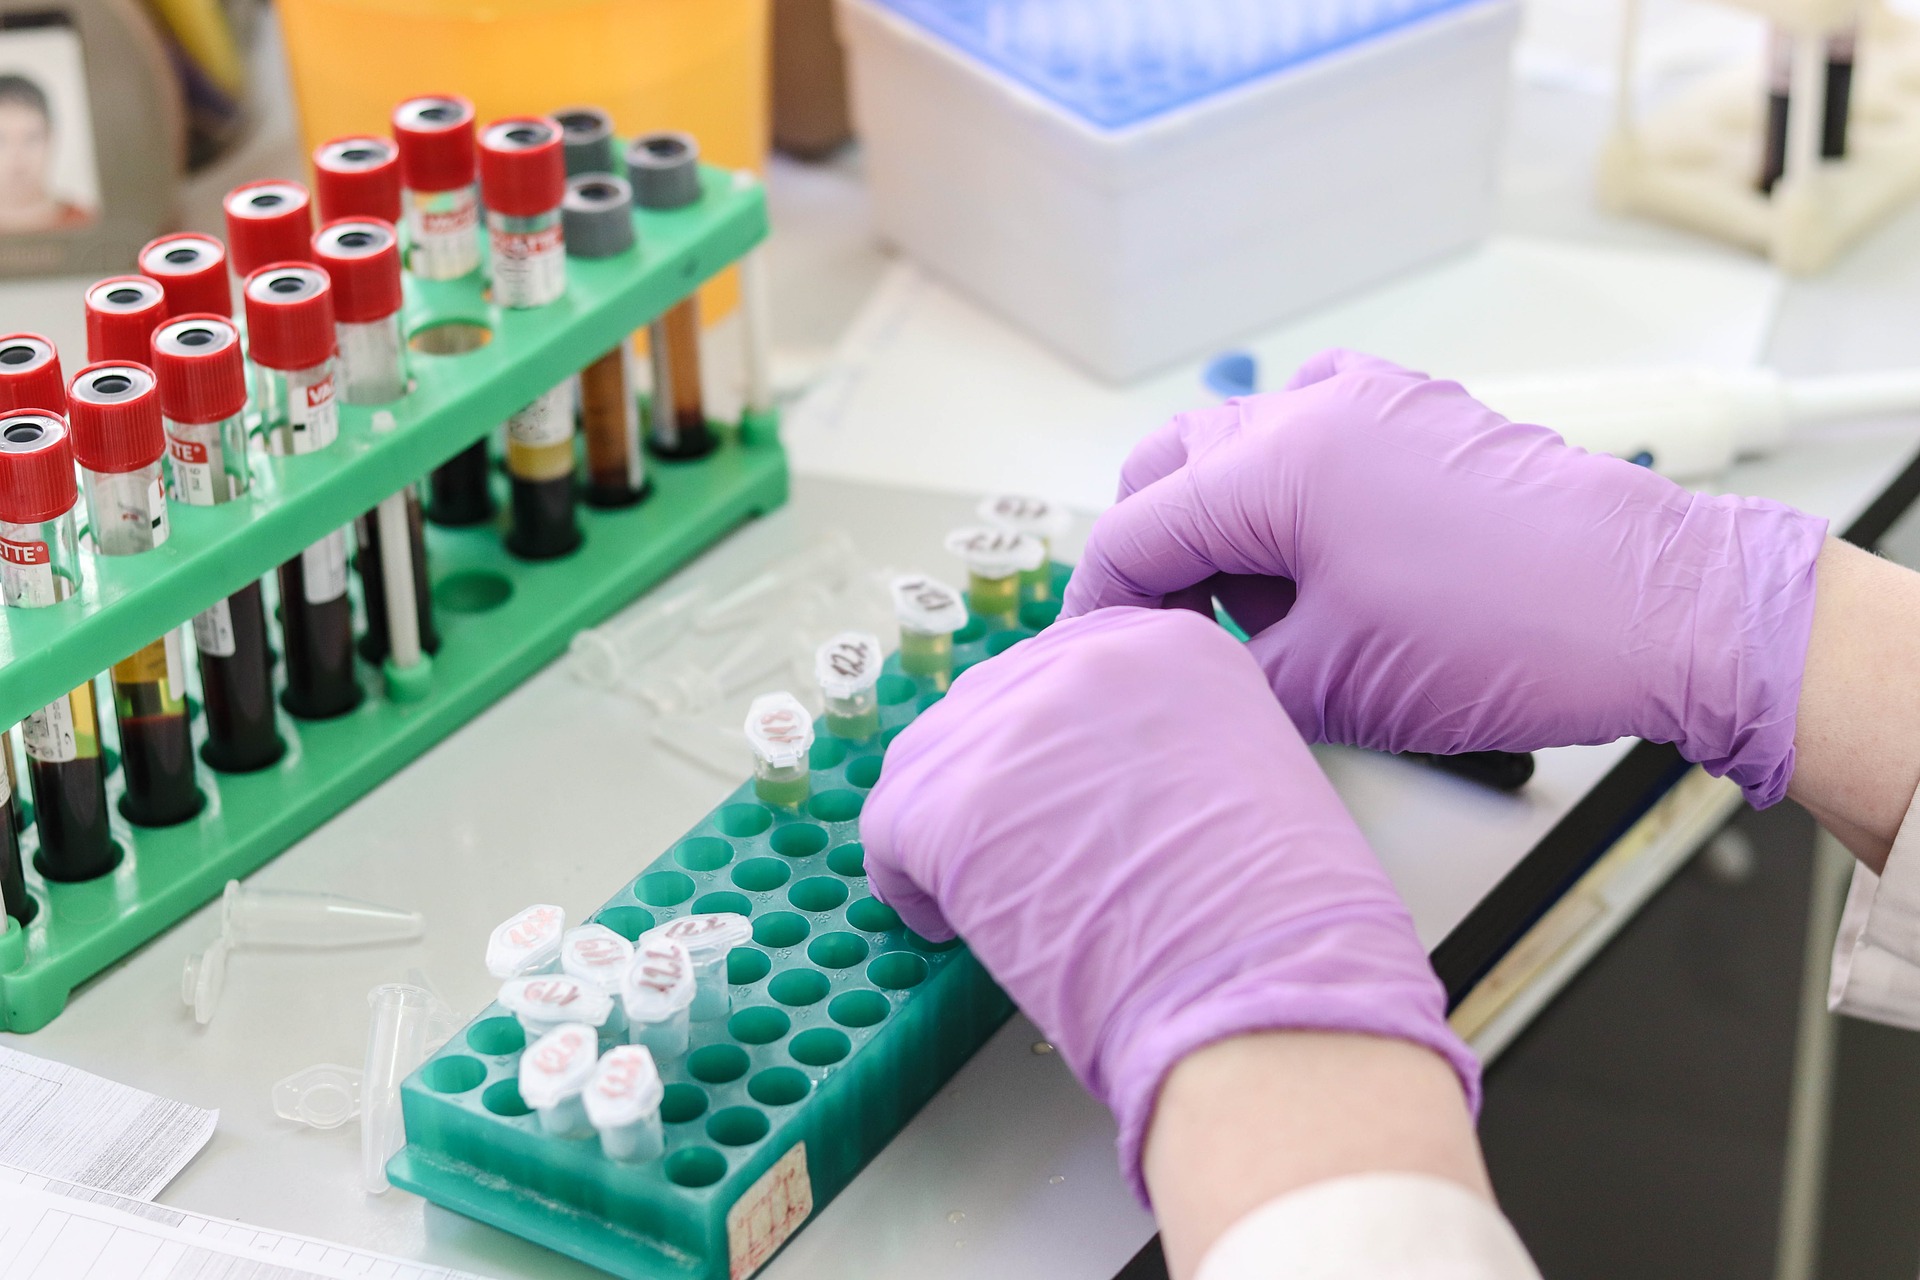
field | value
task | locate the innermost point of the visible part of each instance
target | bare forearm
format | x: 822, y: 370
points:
x: 1249, y: 1119
x: 1857, y: 738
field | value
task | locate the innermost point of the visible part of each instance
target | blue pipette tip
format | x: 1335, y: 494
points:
x: 1232, y: 373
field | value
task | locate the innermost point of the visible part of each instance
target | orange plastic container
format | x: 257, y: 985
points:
x: 697, y: 65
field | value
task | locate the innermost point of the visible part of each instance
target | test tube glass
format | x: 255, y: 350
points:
x: 39, y: 567
x: 119, y: 440
x: 597, y: 218
x: 14, y: 898
x: 203, y: 395
x: 664, y: 171
x: 780, y: 733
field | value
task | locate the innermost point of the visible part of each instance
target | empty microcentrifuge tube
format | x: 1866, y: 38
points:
x: 827, y: 565
x: 268, y: 222
x: 686, y: 686
x: 546, y: 1000
x: 406, y: 1024
x: 357, y: 177
x: 39, y: 567
x: 554, y: 1071
x: 597, y: 215
x: 780, y: 733
x: 848, y: 668
x: 623, y: 1103
x: 608, y: 655
x: 122, y: 313
x: 192, y: 271
x: 527, y: 942
x: 708, y: 938
x: 656, y: 994
x: 1040, y: 519
x: 664, y: 171
x: 596, y: 954
x: 14, y: 898
x: 996, y: 560
x: 323, y: 1096
x: 118, y: 439
x: 929, y: 612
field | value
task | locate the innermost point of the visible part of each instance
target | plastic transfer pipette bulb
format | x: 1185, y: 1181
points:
x: 119, y: 440
x: 848, y: 669
x: 290, y: 326
x: 664, y: 171
x: 996, y: 561
x: 780, y: 733
x: 203, y: 394
x: 1037, y: 518
x: 554, y: 1071
x: 929, y: 612
x: 597, y: 215
x: 39, y: 567
x: 708, y: 939
x: 623, y: 1104
x: 656, y: 994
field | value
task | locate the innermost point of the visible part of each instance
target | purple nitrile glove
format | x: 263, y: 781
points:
x: 1142, y: 851
x: 1420, y: 574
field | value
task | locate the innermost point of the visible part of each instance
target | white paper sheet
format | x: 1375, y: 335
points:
x: 70, y: 1124
x: 55, y: 1230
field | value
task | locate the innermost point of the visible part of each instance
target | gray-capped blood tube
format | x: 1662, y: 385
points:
x: 664, y: 169
x: 597, y: 215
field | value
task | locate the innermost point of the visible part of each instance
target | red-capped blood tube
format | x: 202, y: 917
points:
x: 122, y: 313
x: 357, y: 177
x: 267, y: 222
x: 192, y: 271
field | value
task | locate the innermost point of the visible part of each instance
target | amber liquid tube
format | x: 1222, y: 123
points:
x: 677, y: 412
x: 40, y: 567
x: 540, y: 467
x: 610, y: 419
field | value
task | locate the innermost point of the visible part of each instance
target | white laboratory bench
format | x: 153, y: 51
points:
x: 555, y: 794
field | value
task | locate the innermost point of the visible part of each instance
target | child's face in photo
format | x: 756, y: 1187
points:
x: 25, y: 144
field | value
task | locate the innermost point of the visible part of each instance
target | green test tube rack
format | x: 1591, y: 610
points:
x: 843, y: 1024
x: 500, y: 619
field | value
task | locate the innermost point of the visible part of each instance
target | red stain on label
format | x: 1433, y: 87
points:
x: 769, y: 1212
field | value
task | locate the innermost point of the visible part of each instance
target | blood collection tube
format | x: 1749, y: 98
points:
x: 192, y: 271
x: 1839, y: 93
x: 268, y: 222
x: 14, y: 898
x: 1773, y: 147
x: 122, y: 313
x: 780, y: 733
x: 929, y: 612
x: 997, y: 560
x: 357, y: 177
x: 39, y: 567
x: 290, y: 327
x: 118, y: 439
x: 597, y: 215
x: 203, y: 395
x: 362, y: 254
x: 586, y: 133
x: 664, y: 170
x: 30, y: 374
x: 1039, y: 519
x: 847, y: 668
x: 439, y: 167
x: 523, y: 182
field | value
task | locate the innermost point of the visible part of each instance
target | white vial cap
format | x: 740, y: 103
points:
x: 625, y: 1088
x: 1036, y: 516
x: 558, y: 1065
x: 595, y: 954
x: 554, y: 997
x: 848, y: 663
x: 527, y: 943
x: 996, y: 553
x: 707, y: 938
x: 779, y: 729
x: 927, y: 606
x: 659, y: 980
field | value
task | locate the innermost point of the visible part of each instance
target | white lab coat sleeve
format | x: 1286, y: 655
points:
x: 1372, y: 1226
x: 1876, y: 957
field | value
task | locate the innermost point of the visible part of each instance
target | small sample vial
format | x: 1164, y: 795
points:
x: 848, y: 668
x: 596, y: 954
x: 14, y: 898
x: 118, y: 440
x: 586, y: 135
x: 597, y: 216
x: 707, y: 938
x: 554, y: 1072
x: 527, y: 942
x: 523, y: 179
x: 1037, y: 518
x: 357, y: 177
x: 122, y: 313
x: 929, y: 612
x: 664, y: 172
x: 290, y: 326
x: 546, y: 1001
x: 623, y: 1104
x: 656, y: 994
x: 438, y: 167
x: 192, y: 271
x: 780, y: 733
x: 39, y: 567
x: 203, y: 394
x: 997, y: 560
x: 268, y: 222
x: 30, y: 374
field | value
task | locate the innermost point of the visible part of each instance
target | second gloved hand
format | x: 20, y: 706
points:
x: 1421, y: 574
x: 1140, y: 848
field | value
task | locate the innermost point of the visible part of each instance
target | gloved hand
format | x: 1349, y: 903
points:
x: 1428, y: 576
x: 1142, y: 851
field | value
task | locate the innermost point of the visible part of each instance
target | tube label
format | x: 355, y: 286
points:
x: 768, y: 1212
x: 201, y: 477
x: 49, y: 733
x: 213, y: 632
x: 540, y: 437
x: 26, y: 574
x: 313, y: 409
x: 323, y: 569
x: 444, y: 228
x: 529, y: 267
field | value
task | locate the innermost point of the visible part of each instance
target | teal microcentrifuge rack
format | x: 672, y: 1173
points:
x: 843, y: 1023
x: 499, y: 618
